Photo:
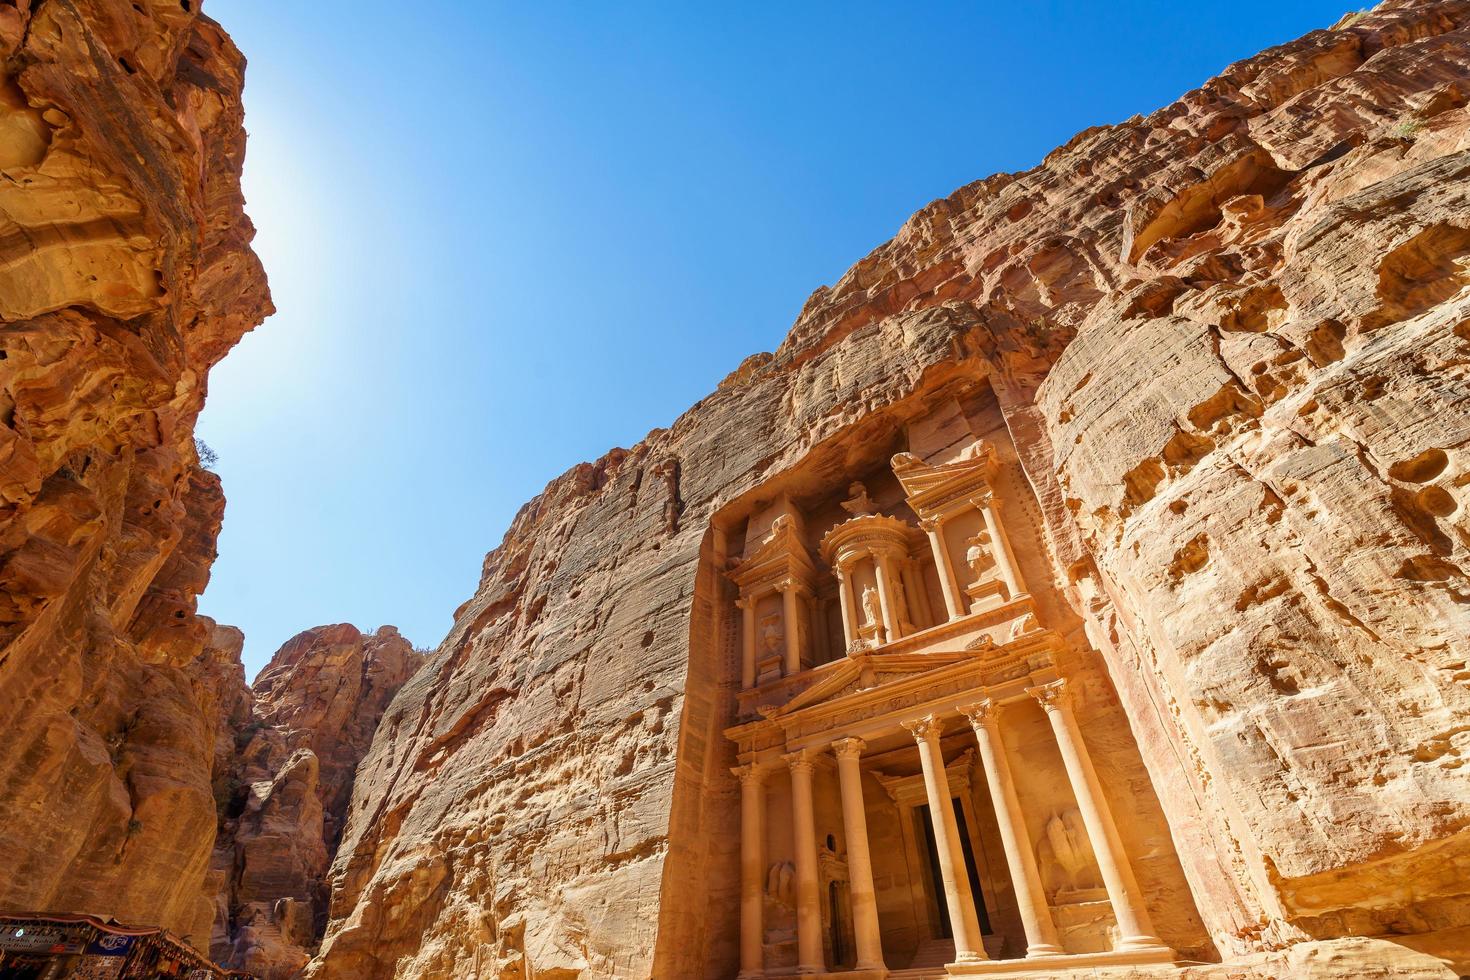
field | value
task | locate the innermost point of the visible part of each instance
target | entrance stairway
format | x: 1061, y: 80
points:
x: 928, y: 962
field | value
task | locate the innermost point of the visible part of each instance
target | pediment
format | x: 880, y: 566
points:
x: 865, y: 673
x: 926, y: 485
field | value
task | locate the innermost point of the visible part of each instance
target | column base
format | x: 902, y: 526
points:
x: 1060, y: 966
x: 972, y: 956
x: 1140, y: 944
x: 1042, y: 950
x: 750, y: 975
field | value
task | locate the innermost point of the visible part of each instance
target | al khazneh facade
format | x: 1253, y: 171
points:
x: 918, y: 721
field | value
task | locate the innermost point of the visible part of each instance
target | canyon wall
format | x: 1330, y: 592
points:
x: 125, y: 275
x: 1229, y: 342
x: 285, y: 786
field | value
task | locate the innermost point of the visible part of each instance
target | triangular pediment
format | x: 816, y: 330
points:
x: 864, y: 673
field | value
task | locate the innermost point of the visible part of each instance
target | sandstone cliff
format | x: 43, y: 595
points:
x: 125, y: 275
x: 1229, y: 341
x: 285, y: 789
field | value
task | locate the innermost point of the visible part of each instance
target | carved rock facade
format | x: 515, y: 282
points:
x: 1159, y: 555
x: 125, y: 275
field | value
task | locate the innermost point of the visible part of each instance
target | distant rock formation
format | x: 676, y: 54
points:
x: 125, y: 275
x: 285, y: 790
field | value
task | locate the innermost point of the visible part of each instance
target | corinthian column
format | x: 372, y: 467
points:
x: 849, y: 615
x: 887, y: 599
x: 948, y: 583
x: 752, y: 871
x: 747, y: 642
x: 1041, y: 931
x: 793, y: 627
x: 808, y: 900
x: 1000, y: 546
x: 859, y: 863
x: 1135, y: 929
x: 963, y: 921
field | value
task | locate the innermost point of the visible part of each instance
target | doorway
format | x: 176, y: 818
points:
x: 925, y: 832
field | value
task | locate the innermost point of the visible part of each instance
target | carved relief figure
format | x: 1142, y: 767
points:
x: 1066, y: 858
x: 979, y: 556
x: 773, y: 637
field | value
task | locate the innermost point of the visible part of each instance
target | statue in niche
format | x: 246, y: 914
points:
x: 773, y: 637
x: 859, y: 504
x: 872, y: 607
x: 1066, y: 859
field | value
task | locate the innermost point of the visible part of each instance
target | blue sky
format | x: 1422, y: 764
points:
x: 504, y: 238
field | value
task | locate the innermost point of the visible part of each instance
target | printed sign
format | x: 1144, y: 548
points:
x: 108, y: 944
x: 41, y: 939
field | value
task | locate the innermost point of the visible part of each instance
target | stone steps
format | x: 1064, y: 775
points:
x: 928, y: 962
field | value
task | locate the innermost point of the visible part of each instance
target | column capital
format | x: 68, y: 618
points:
x: 799, y: 761
x: 1051, y: 696
x: 982, y: 713
x: 748, y: 773
x: 745, y: 602
x: 924, y: 728
x: 849, y: 748
x: 796, y: 585
x: 931, y: 525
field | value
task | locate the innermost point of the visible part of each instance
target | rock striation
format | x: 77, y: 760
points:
x: 1228, y: 342
x: 125, y: 275
x: 286, y: 785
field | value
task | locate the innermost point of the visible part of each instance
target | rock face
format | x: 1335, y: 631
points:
x: 125, y: 275
x: 1230, y: 343
x: 285, y: 795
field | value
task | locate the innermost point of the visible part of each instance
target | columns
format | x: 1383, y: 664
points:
x: 1041, y: 931
x: 747, y: 642
x: 1135, y: 929
x: 948, y: 583
x: 809, y: 957
x: 887, y: 597
x: 752, y: 871
x: 849, y: 613
x: 792, y: 622
x: 962, y: 918
x: 1000, y: 547
x: 859, y: 863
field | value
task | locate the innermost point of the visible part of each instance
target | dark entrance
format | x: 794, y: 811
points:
x: 926, y: 833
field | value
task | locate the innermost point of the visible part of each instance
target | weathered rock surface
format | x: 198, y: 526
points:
x: 125, y: 275
x: 311, y: 718
x: 1230, y: 343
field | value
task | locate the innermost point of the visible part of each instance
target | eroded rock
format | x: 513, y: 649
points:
x: 125, y: 275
